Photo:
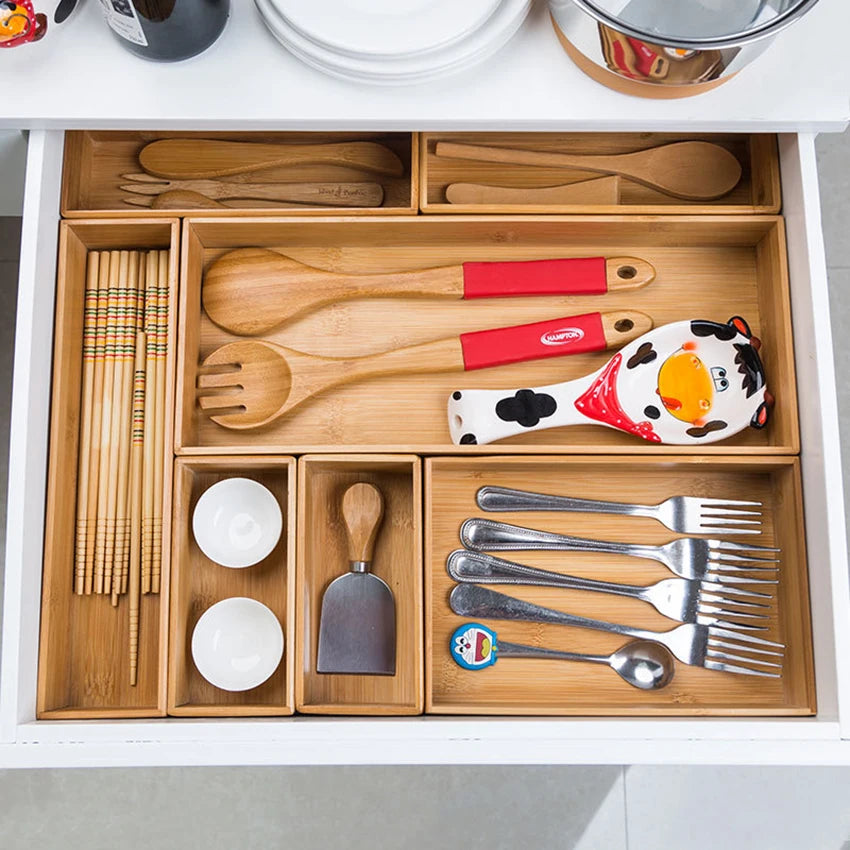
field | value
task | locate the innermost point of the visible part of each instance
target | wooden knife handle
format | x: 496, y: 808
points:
x: 362, y: 512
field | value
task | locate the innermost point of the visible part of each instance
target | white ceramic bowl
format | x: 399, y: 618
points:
x: 237, y: 522
x: 237, y: 644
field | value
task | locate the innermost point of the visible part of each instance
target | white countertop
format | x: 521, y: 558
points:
x: 79, y: 76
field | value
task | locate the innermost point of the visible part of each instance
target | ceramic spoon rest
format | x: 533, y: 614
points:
x: 686, y: 383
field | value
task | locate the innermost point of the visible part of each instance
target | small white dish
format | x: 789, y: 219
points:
x: 237, y: 522
x: 237, y: 644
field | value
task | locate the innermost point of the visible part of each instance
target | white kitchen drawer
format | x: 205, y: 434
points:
x: 824, y: 739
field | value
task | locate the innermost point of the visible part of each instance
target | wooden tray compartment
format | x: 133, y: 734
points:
x: 198, y: 583
x: 322, y: 556
x: 96, y: 159
x: 757, y: 192
x: 707, y: 267
x: 527, y: 686
x: 83, y: 666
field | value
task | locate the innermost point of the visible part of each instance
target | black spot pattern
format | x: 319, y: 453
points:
x: 702, y: 327
x: 651, y: 411
x: 526, y: 407
x: 468, y: 440
x: 749, y: 365
x: 644, y: 354
x: 703, y: 430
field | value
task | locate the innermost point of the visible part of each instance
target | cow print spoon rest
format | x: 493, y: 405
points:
x: 686, y: 383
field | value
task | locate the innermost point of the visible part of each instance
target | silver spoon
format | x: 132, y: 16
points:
x: 643, y: 664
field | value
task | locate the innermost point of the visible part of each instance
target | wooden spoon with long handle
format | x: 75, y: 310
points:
x: 249, y: 291
x: 600, y: 190
x: 250, y: 383
x: 181, y: 199
x: 695, y: 171
x: 317, y: 194
x: 194, y: 159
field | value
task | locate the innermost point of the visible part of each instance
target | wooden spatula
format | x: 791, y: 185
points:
x: 695, y: 171
x: 193, y: 159
x: 601, y: 190
x: 252, y: 290
x: 317, y: 194
x: 357, y: 625
x: 251, y: 383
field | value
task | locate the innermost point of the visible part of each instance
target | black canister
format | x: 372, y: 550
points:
x: 166, y: 30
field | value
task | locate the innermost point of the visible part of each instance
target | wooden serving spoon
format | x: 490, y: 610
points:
x: 249, y: 291
x: 695, y: 171
x: 600, y: 190
x: 193, y: 159
x: 251, y: 383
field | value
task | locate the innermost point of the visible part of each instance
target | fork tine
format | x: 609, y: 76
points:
x: 713, y: 621
x: 740, y: 559
x: 139, y: 200
x: 215, y: 403
x: 715, y: 609
x: 220, y: 380
x: 144, y: 178
x: 722, y: 567
x: 728, y: 545
x: 719, y: 511
x: 707, y: 598
x: 743, y: 647
x: 717, y: 529
x: 734, y: 668
x: 711, y: 587
x: 716, y: 633
x: 728, y: 580
x: 723, y: 519
x: 706, y: 500
x: 713, y: 653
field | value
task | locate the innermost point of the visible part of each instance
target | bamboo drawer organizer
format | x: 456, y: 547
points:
x: 758, y: 191
x: 712, y: 261
x: 95, y: 161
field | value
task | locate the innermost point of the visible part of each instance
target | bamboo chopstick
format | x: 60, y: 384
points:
x: 105, y: 471
x: 125, y: 364
x: 96, y: 416
x: 151, y: 276
x: 116, y: 421
x: 159, y: 422
x: 137, y: 452
x: 86, y: 405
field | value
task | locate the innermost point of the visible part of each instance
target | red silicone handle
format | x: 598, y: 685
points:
x: 553, y: 338
x: 578, y: 276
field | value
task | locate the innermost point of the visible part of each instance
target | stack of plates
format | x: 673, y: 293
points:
x: 392, y: 41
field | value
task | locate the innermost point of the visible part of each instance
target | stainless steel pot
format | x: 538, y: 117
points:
x: 659, y: 48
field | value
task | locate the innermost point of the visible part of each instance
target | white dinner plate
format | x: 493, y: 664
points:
x: 385, y: 28
x: 480, y: 45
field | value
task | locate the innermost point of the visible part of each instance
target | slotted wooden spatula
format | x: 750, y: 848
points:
x: 357, y: 624
x: 194, y: 159
x: 249, y: 291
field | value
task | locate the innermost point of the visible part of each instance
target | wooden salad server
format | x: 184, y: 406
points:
x: 250, y: 291
x: 316, y: 194
x: 194, y: 159
x: 182, y: 199
x: 600, y: 190
x: 251, y: 383
x: 685, y: 383
x: 695, y: 171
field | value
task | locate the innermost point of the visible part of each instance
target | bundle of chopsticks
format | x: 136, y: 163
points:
x: 122, y: 429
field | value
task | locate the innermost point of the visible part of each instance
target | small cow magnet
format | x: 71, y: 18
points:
x: 19, y: 23
x: 686, y: 383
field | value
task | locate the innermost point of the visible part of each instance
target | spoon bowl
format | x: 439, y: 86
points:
x: 643, y: 664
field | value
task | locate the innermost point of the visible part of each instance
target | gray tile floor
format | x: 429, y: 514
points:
x: 584, y: 808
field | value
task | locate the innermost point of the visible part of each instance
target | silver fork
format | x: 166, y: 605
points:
x: 688, y: 557
x: 712, y: 647
x: 685, y: 514
x: 680, y: 599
